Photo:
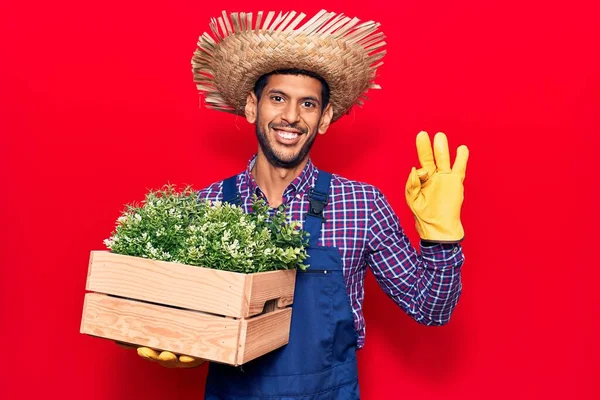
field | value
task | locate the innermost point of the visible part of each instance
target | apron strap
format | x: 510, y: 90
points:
x: 318, y: 199
x: 230, y: 192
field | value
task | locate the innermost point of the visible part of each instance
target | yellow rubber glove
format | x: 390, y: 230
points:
x: 165, y: 358
x: 435, y: 192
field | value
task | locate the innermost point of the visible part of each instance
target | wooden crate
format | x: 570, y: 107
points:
x: 220, y: 316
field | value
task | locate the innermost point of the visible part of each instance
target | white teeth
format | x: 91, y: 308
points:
x: 287, y: 135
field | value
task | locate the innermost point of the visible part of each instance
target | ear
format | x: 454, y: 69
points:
x: 326, y: 119
x: 251, y: 107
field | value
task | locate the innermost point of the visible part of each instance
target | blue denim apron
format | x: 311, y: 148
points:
x: 319, y: 362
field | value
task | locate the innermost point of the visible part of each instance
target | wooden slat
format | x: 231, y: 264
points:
x: 268, y: 286
x: 262, y: 334
x: 179, y: 331
x: 196, y: 288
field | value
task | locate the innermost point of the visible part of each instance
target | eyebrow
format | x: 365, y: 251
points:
x: 277, y: 91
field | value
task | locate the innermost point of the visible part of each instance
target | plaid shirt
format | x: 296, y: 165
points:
x: 362, y: 225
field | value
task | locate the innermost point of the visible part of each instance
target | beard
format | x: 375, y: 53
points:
x: 278, y: 159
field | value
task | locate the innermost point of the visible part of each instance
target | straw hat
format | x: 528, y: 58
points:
x: 227, y: 64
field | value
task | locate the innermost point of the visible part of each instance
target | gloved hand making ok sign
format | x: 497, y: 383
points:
x: 435, y: 192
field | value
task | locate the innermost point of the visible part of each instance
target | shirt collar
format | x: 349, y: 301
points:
x: 299, y: 185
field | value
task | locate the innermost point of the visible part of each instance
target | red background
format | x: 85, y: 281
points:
x: 98, y: 105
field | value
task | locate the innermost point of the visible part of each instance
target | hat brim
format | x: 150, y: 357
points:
x: 226, y: 69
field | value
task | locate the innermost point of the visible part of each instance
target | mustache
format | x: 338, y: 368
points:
x: 297, y: 127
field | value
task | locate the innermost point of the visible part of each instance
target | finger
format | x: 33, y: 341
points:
x: 425, y: 152
x: 190, y: 362
x: 413, y: 185
x: 442, y: 154
x: 168, y: 359
x: 186, y: 359
x: 167, y: 356
x: 460, y: 164
x: 423, y: 175
x: 147, y: 353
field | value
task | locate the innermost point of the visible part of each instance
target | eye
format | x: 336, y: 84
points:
x: 309, y: 104
x: 277, y: 99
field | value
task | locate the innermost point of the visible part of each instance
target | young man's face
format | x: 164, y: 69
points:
x: 288, y: 117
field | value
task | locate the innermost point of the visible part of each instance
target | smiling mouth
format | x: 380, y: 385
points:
x: 287, y: 134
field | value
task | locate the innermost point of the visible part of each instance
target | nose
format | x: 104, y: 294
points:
x: 290, y: 113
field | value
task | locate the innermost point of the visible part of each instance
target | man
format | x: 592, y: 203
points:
x: 292, y: 84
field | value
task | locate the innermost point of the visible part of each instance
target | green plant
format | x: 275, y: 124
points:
x: 171, y: 225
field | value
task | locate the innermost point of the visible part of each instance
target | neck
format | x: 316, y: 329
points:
x: 274, y: 180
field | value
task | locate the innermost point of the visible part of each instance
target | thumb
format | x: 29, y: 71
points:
x: 413, y: 185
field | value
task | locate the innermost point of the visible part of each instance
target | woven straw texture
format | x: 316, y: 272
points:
x: 227, y: 64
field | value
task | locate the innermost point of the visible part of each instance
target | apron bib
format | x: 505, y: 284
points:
x: 319, y: 362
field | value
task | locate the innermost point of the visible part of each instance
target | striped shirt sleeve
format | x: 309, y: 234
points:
x: 426, y: 286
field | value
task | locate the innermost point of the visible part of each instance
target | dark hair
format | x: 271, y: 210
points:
x: 262, y: 82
